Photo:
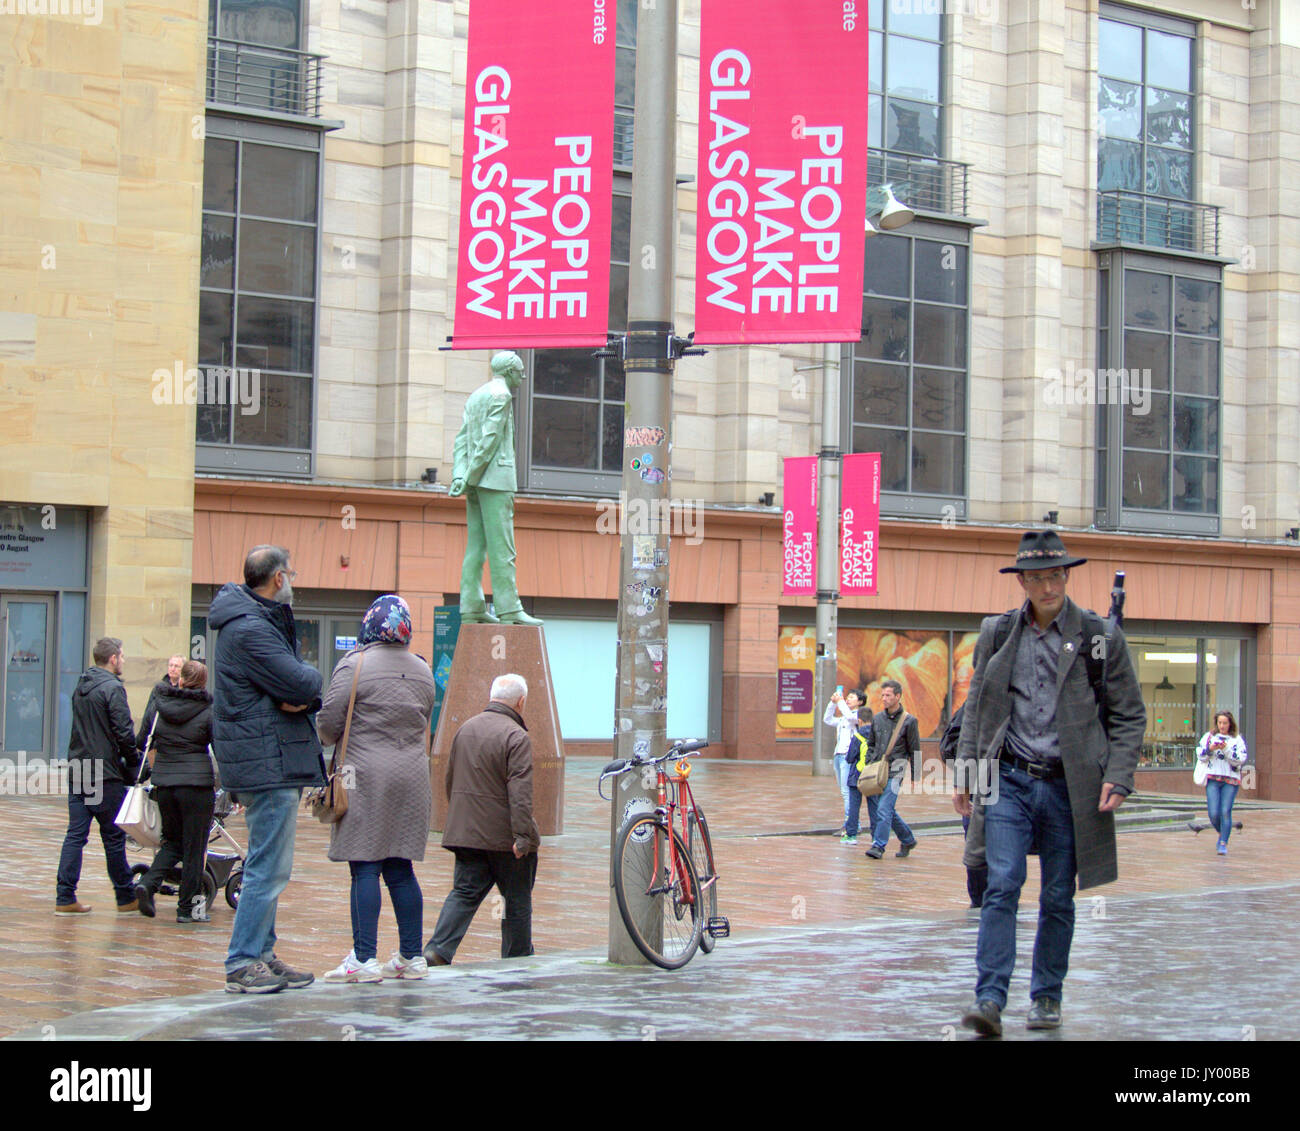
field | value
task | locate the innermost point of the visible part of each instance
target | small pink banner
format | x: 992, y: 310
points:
x: 799, y: 530
x: 860, y: 524
x: 537, y: 178
x: 782, y: 171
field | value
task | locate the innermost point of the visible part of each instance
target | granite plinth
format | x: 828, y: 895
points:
x: 483, y: 652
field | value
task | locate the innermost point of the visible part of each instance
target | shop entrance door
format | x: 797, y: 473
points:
x: 324, y: 639
x: 27, y: 625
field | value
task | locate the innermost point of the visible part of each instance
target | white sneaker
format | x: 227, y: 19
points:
x: 350, y: 970
x: 399, y: 967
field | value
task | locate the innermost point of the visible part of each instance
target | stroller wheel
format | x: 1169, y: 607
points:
x: 209, y: 887
x: 232, y: 887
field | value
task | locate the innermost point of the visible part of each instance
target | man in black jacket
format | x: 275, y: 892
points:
x: 879, y: 732
x: 101, y: 760
x: 267, y: 750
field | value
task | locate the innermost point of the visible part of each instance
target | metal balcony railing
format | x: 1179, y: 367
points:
x: 1157, y: 221
x: 264, y: 78
x: 925, y: 184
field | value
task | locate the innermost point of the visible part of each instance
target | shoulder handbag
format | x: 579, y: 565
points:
x: 329, y: 803
x: 138, y: 815
x: 872, y: 780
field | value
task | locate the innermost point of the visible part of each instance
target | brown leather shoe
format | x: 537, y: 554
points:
x: 71, y: 908
x: 123, y: 908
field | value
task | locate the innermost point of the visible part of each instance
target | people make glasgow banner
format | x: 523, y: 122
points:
x: 799, y: 527
x: 860, y: 524
x: 782, y: 171
x: 537, y: 176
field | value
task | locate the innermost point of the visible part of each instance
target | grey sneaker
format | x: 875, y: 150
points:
x: 1044, y: 1013
x: 254, y: 978
x: 985, y: 1018
x: 293, y: 979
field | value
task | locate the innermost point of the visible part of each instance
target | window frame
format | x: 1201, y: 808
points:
x: 1168, y: 25
x: 909, y: 504
x: 882, y: 7
x: 257, y: 459
x: 1111, y: 513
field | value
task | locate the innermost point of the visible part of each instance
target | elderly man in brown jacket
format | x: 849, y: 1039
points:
x: 490, y: 824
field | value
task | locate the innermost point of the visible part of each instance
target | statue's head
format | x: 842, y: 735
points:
x: 510, y: 367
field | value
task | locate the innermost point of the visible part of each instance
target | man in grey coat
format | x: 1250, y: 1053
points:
x: 490, y: 825
x: 1052, y: 731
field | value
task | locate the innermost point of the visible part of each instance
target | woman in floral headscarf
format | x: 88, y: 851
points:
x: 386, y: 773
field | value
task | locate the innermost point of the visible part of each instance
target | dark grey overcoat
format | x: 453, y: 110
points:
x: 389, y: 794
x: 1090, y: 753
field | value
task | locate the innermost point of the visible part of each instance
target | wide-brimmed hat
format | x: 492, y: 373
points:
x: 1041, y: 549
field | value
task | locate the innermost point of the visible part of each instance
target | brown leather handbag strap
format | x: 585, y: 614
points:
x: 341, y: 752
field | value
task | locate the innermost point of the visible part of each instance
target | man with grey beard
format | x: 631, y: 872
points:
x: 266, y: 746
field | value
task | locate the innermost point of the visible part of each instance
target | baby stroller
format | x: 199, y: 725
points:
x: 221, y: 869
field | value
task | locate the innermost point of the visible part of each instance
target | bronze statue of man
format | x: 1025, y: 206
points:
x: 484, y: 472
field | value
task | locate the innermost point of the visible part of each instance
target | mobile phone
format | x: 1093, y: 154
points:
x: 839, y: 689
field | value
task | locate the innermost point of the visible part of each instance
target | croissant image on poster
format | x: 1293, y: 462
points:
x: 920, y: 661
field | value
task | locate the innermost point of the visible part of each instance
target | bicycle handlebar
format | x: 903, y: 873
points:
x: 622, y: 765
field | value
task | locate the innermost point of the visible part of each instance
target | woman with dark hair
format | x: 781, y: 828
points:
x: 183, y: 784
x: 386, y: 774
x: 1223, y: 751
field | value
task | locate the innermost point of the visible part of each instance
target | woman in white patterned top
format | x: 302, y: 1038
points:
x: 1223, y: 750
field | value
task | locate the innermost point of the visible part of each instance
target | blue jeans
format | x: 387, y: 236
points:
x: 840, y: 767
x: 271, y: 816
x: 1027, y: 810
x: 1219, y: 796
x: 854, y: 814
x: 80, y: 815
x: 884, y: 817
x: 408, y: 905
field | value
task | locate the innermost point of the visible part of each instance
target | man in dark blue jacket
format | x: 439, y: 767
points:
x: 101, y: 759
x: 267, y: 750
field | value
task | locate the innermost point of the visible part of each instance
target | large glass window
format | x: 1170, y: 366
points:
x: 624, y: 82
x: 1146, y: 104
x: 1185, y: 681
x: 257, y: 296
x: 1158, y: 393
x: 272, y: 23
x: 906, y: 77
x: 1145, y: 109
x: 909, y: 367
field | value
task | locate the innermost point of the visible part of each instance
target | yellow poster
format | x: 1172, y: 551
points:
x: 796, y: 703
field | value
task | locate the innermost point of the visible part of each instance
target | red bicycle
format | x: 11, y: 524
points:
x: 666, y: 880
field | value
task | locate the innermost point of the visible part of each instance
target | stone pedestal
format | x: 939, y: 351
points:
x: 483, y: 652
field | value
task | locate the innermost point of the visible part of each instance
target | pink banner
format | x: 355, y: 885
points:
x: 799, y: 530
x: 537, y: 177
x: 860, y: 525
x: 782, y: 172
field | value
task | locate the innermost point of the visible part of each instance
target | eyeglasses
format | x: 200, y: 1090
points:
x: 1056, y: 577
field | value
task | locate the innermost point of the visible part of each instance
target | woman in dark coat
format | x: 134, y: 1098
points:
x: 386, y: 772
x: 183, y: 784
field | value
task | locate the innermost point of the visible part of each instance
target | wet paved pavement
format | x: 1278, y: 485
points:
x: 825, y: 943
x: 901, y: 978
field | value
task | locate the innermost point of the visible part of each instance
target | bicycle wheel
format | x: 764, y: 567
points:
x: 658, y: 896
x: 701, y: 847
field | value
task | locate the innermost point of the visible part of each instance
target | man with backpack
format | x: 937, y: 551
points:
x: 1053, y: 727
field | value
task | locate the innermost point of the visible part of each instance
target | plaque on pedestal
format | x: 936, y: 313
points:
x: 483, y: 652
